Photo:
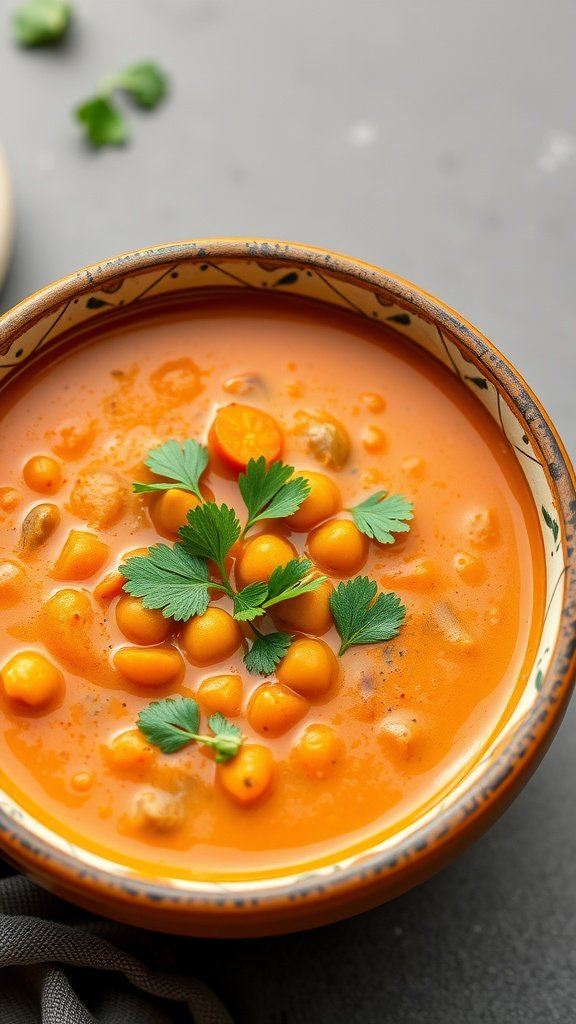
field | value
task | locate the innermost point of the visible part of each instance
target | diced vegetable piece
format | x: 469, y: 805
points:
x: 482, y: 527
x: 99, y: 497
x: 150, y: 666
x: 110, y: 587
x: 310, y: 612
x: 318, y: 751
x: 470, y: 568
x: 274, y: 709
x: 249, y: 775
x: 42, y: 473
x: 29, y: 678
x: 374, y: 440
x: 451, y: 626
x: 83, y: 555
x: 400, y: 734
x: 260, y: 556
x: 309, y: 667
x: 141, y: 625
x: 338, y: 547
x: 38, y: 526
x: 221, y: 693
x: 240, y: 433
x: 322, y: 502
x: 159, y: 811
x: 66, y: 621
x: 211, y: 637
x: 328, y: 441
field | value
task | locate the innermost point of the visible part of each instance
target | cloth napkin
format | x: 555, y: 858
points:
x: 60, y: 965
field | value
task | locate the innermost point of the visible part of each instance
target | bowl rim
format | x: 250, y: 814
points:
x: 513, y: 760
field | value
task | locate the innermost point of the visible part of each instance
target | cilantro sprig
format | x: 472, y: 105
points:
x: 271, y: 492
x: 381, y: 516
x: 362, y: 616
x: 171, y: 579
x: 103, y: 122
x: 182, y: 464
x: 41, y: 22
x: 173, y: 722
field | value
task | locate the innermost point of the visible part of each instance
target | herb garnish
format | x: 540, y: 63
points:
x: 381, y: 516
x: 182, y: 464
x: 361, y: 617
x: 172, y: 723
x: 269, y: 493
x: 104, y: 125
x: 41, y: 22
x: 177, y: 579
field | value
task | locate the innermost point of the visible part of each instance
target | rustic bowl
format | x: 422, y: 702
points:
x: 289, y: 903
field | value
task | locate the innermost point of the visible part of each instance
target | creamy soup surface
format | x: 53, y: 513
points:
x: 401, y: 721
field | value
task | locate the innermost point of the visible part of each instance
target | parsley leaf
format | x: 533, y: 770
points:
x: 297, y: 577
x: 145, y: 83
x: 379, y: 517
x: 102, y: 122
x: 183, y: 464
x: 41, y: 22
x: 211, y: 531
x: 268, y: 491
x: 171, y: 579
x: 266, y: 651
x: 362, y: 618
x: 248, y: 603
x: 172, y: 723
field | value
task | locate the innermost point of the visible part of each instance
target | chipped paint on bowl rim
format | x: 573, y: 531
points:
x: 298, y: 900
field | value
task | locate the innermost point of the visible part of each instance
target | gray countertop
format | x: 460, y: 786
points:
x: 437, y: 140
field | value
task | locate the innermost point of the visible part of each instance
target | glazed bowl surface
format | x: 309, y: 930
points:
x: 48, y: 319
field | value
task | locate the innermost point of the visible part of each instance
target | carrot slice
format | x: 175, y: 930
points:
x: 241, y: 433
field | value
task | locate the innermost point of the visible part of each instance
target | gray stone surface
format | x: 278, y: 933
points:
x: 437, y: 139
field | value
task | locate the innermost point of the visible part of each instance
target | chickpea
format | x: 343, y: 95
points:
x: 274, y: 709
x: 400, y: 735
x: 310, y: 612
x: 309, y: 667
x: 210, y: 637
x: 82, y: 782
x: 249, y: 775
x: 141, y: 625
x: 317, y: 751
x: 12, y: 583
x: 338, y: 547
x: 29, y: 678
x: 260, y: 556
x: 150, y: 666
x: 322, y: 502
x: 170, y: 511
x: 42, y: 473
x: 221, y: 693
x: 129, y: 750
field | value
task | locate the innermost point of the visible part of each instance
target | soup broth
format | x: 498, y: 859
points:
x: 371, y: 740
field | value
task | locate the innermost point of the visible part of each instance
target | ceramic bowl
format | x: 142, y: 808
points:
x: 299, y: 901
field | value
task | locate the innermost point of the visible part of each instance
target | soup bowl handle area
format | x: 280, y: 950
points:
x: 44, y: 322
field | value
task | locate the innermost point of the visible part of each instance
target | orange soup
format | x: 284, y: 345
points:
x: 331, y: 584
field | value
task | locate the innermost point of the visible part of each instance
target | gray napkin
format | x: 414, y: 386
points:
x: 63, y: 966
